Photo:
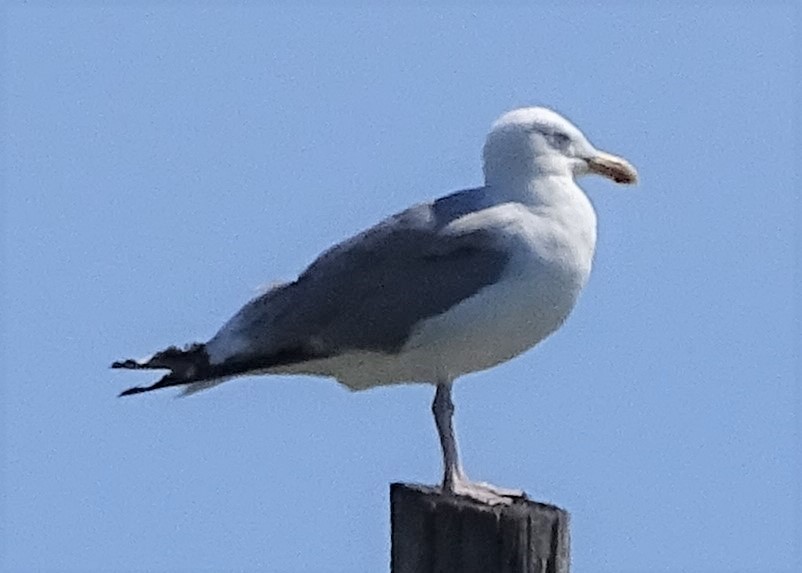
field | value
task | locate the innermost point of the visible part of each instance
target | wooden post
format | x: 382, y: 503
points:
x: 435, y: 533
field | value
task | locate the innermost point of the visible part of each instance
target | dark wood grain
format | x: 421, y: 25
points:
x: 436, y: 533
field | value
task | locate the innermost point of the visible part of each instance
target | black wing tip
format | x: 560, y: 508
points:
x: 128, y: 364
x: 165, y: 382
x: 132, y: 391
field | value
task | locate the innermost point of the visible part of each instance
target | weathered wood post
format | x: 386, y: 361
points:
x: 435, y: 533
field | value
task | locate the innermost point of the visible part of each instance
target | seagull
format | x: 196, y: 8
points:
x: 444, y: 288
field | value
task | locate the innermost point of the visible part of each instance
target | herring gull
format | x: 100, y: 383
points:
x: 444, y: 288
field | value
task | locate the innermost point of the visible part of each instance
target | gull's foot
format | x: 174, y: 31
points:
x: 483, y: 492
x: 502, y: 491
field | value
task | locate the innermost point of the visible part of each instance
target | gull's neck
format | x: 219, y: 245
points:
x: 556, y: 198
x: 538, y: 189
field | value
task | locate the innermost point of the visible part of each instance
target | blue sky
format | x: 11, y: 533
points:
x: 161, y: 163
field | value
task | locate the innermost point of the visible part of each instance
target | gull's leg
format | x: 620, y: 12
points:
x: 454, y: 480
x: 443, y: 410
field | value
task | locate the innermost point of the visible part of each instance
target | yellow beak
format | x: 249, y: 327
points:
x: 613, y: 167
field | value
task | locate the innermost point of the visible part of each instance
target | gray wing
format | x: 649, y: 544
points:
x: 368, y: 293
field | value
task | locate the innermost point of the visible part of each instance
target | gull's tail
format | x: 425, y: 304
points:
x: 187, y: 366
x: 190, y: 367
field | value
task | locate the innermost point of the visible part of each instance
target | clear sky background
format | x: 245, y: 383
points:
x: 161, y: 163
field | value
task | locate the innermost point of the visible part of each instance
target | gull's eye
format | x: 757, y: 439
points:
x: 558, y: 140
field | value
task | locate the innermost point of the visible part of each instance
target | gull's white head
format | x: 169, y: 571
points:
x: 531, y: 141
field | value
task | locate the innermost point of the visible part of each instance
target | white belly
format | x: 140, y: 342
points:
x: 492, y: 327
